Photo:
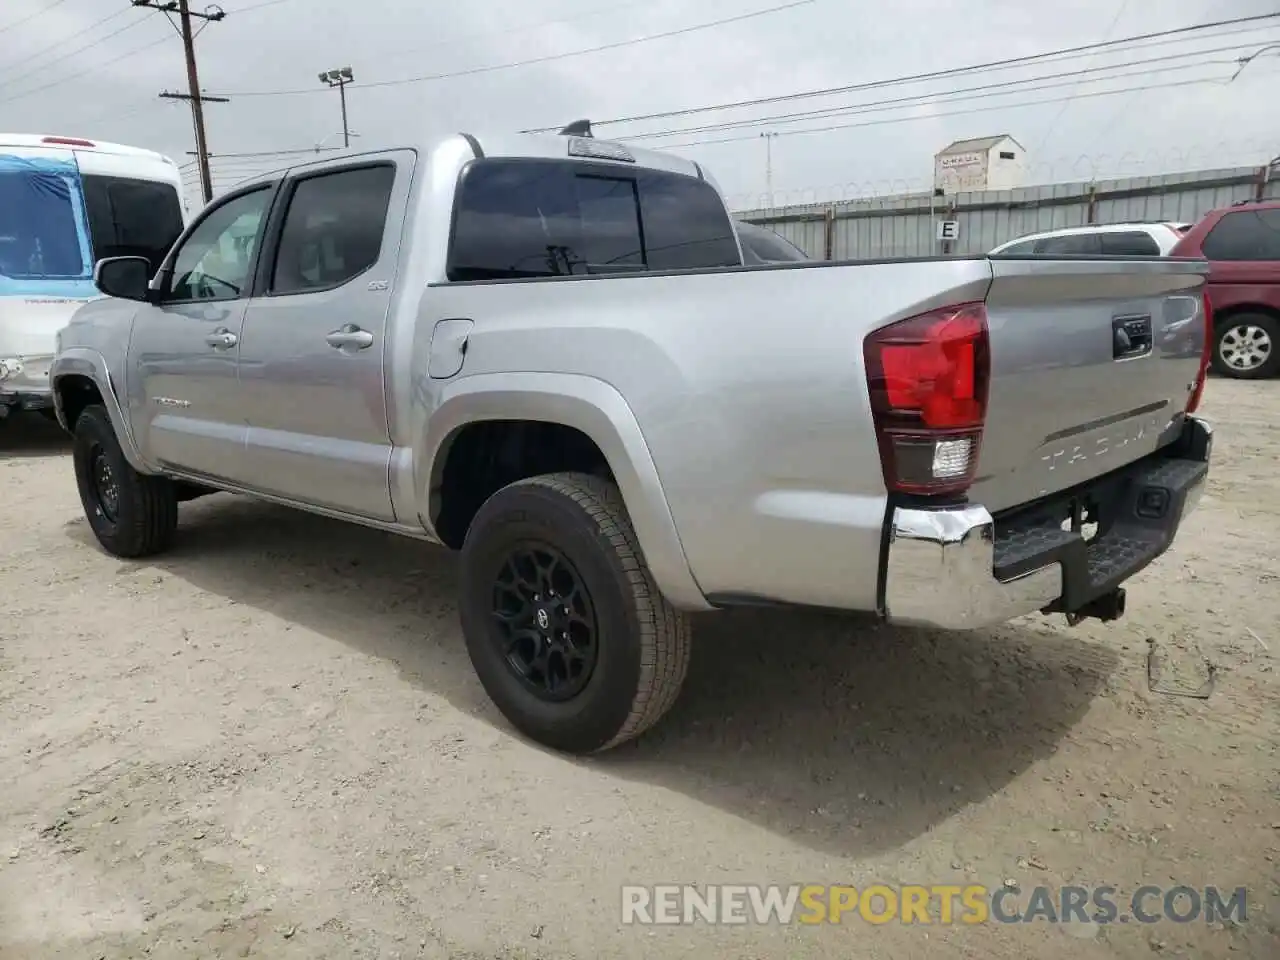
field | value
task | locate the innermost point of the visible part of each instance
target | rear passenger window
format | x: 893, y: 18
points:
x: 1129, y: 244
x: 1245, y: 235
x: 332, y: 229
x: 1070, y: 245
x: 550, y: 218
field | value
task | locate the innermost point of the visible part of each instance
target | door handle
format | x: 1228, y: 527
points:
x: 222, y: 339
x: 350, y: 336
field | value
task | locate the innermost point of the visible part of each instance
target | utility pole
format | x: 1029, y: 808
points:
x: 340, y: 78
x: 768, y: 165
x: 197, y: 121
x: 193, y: 96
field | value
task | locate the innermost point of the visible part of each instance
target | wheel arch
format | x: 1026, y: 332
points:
x: 1221, y: 317
x: 588, y: 407
x: 79, y: 376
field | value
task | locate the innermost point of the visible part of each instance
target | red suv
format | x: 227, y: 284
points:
x: 1242, y: 245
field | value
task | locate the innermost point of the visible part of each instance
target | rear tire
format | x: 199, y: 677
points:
x: 565, y: 627
x: 133, y: 515
x: 1247, y: 347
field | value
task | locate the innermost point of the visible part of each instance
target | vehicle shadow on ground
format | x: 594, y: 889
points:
x: 841, y: 734
x: 27, y: 435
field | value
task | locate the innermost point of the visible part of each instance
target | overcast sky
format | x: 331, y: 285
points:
x: 61, y: 74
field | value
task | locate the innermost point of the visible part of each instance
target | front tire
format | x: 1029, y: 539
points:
x: 564, y: 625
x: 132, y: 514
x: 1247, y: 347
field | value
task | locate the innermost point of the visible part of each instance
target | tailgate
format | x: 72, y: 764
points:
x: 1092, y: 364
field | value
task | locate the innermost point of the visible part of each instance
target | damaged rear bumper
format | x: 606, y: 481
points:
x: 961, y: 568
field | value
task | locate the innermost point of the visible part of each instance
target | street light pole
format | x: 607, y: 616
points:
x: 340, y: 78
x: 768, y: 164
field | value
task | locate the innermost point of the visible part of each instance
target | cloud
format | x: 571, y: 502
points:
x: 108, y: 87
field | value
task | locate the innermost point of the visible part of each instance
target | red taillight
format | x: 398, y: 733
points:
x: 928, y: 378
x: 69, y: 141
x: 1193, y: 402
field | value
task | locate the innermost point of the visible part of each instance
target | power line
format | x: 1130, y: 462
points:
x: 1052, y: 125
x: 31, y: 16
x: 536, y: 60
x: 88, y: 70
x: 72, y: 53
x: 271, y: 153
x: 258, y: 6
x: 1075, y: 77
x: 523, y: 28
x: 78, y: 50
x: 1065, y: 52
x: 952, y: 113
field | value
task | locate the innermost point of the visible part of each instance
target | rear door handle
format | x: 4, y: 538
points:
x: 350, y: 336
x: 222, y: 339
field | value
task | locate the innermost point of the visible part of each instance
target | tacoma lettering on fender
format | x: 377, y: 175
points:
x: 545, y: 352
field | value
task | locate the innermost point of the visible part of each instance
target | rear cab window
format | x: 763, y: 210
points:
x: 1243, y: 235
x: 526, y: 218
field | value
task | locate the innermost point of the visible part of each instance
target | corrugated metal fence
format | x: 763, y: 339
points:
x: 907, y: 226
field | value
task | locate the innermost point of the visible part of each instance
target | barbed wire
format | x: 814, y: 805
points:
x: 1186, y: 161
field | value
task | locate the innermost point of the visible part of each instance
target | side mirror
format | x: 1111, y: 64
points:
x: 123, y: 277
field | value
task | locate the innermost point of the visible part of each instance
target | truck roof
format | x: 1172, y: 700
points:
x: 506, y: 145
x: 68, y: 142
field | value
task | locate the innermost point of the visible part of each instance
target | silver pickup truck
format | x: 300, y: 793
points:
x: 546, y: 353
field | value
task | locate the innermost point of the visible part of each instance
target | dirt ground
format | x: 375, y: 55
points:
x: 270, y: 743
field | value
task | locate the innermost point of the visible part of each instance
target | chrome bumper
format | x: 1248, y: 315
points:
x: 940, y: 570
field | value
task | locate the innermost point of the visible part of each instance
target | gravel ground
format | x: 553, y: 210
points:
x: 269, y: 743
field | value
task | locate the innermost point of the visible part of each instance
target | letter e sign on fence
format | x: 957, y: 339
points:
x: 948, y: 229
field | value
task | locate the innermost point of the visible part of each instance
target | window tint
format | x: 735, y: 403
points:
x: 131, y: 218
x: 215, y: 261
x: 333, y: 229
x: 1023, y: 249
x: 1245, y: 235
x: 685, y: 224
x: 536, y: 218
x: 1069, y: 245
x: 1133, y: 243
x: 766, y: 246
x: 39, y: 225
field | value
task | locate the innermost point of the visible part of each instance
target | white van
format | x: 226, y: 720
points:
x: 1112, y: 239
x: 65, y: 203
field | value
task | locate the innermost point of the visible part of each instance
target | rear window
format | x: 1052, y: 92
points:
x: 551, y: 218
x: 1244, y: 235
x: 131, y: 218
x: 1071, y: 245
x: 1130, y: 243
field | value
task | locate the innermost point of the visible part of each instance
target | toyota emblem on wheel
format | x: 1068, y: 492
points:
x: 544, y: 621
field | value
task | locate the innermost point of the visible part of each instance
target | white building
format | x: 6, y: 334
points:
x: 985, y: 163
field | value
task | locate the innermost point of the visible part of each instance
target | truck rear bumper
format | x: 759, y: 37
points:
x: 961, y: 568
